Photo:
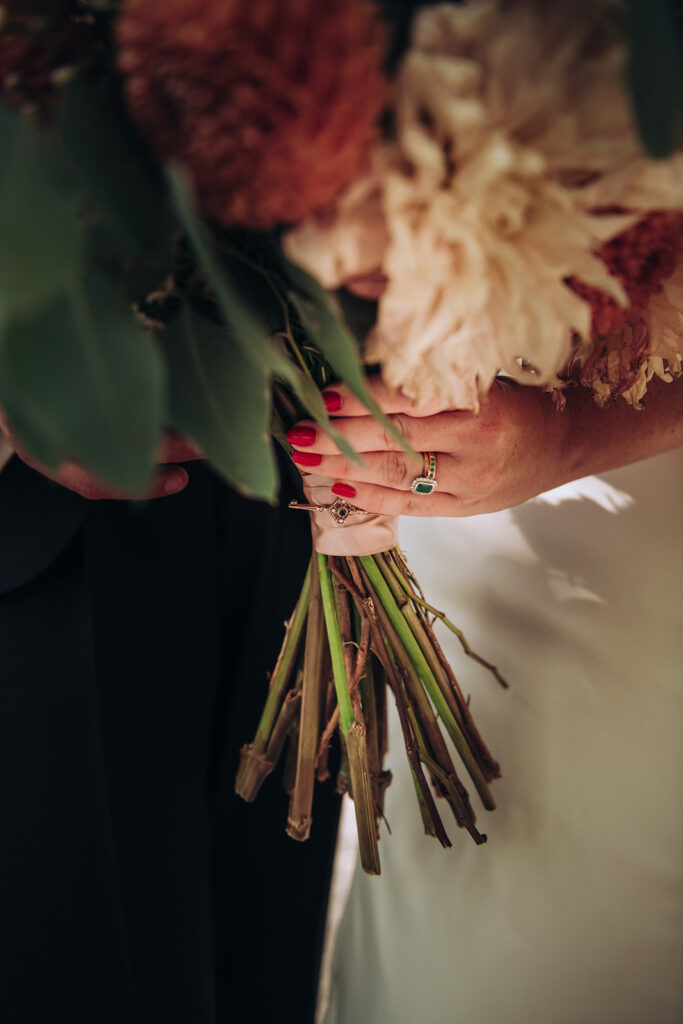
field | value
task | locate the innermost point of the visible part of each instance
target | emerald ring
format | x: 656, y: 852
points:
x: 426, y: 483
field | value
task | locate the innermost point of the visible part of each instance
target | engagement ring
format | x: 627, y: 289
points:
x: 426, y: 483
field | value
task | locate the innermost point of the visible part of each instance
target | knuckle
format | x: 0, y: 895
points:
x: 395, y: 469
x: 414, y: 506
x: 346, y: 467
x: 401, y: 422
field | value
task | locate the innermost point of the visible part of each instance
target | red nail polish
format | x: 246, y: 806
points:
x: 307, y: 458
x: 301, y: 436
x: 332, y: 400
x: 344, y: 490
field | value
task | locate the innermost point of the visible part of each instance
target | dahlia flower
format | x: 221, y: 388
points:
x: 513, y: 162
x: 270, y: 105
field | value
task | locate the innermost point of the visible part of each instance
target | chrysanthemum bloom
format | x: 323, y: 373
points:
x: 271, y: 105
x: 513, y: 147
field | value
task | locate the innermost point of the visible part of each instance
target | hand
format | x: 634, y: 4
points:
x: 507, y: 453
x: 170, y: 479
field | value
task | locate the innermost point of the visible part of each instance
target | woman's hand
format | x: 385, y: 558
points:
x: 501, y: 456
x: 517, y: 446
x: 169, y: 479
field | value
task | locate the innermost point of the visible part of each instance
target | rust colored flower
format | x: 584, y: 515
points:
x: 640, y: 258
x: 270, y: 104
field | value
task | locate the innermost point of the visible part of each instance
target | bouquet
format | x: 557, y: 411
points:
x: 210, y: 211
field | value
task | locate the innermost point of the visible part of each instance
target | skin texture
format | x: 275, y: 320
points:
x: 518, y: 445
x: 169, y: 479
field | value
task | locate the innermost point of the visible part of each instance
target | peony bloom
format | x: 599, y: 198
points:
x: 514, y: 161
x: 270, y: 104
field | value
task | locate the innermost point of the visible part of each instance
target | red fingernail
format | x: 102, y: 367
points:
x: 332, y: 400
x: 344, y: 490
x: 307, y: 458
x: 301, y: 435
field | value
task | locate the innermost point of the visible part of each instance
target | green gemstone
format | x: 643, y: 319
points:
x: 425, y: 488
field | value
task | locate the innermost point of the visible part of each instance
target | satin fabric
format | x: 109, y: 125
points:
x: 573, y: 910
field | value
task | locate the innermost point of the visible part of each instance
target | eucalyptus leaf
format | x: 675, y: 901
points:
x: 221, y: 400
x: 41, y: 239
x: 308, y: 394
x: 112, y: 171
x: 335, y: 342
x: 80, y: 379
x: 655, y: 72
x: 250, y: 334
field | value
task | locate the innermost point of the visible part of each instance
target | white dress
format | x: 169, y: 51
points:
x: 572, y: 913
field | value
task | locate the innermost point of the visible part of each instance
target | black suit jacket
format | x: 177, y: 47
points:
x: 134, y: 646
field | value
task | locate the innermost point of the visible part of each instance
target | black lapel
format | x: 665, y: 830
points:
x: 37, y: 520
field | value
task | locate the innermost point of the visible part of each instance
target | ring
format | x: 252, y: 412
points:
x: 340, y: 510
x: 426, y: 483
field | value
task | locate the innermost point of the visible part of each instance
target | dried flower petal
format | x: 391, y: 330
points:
x: 494, y: 197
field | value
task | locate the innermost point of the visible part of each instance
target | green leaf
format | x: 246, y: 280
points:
x: 655, y: 73
x: 80, y: 379
x: 41, y: 239
x: 250, y: 334
x: 308, y: 394
x: 112, y: 171
x: 221, y: 400
x: 336, y: 343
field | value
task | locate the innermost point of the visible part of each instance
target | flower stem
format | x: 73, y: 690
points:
x: 446, y: 621
x: 353, y: 731
x: 425, y: 673
x: 443, y: 673
x: 301, y: 803
x: 255, y: 764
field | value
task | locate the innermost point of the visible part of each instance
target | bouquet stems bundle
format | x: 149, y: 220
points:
x: 361, y: 625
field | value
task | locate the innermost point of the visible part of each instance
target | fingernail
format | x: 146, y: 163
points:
x: 307, y: 458
x: 332, y: 400
x: 344, y: 490
x: 175, y: 482
x: 301, y: 435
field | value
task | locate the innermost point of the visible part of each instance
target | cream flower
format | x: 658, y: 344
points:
x: 511, y: 128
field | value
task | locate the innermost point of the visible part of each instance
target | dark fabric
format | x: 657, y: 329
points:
x: 134, y: 885
x: 37, y: 520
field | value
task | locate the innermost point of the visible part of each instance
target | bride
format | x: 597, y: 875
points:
x: 573, y: 909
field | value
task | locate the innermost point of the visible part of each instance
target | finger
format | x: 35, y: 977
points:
x: 367, y: 286
x: 74, y: 477
x: 365, y: 434
x: 387, y: 469
x: 340, y: 400
x: 176, y: 448
x: 390, y: 502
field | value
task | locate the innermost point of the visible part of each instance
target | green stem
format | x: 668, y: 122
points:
x: 449, y: 625
x: 255, y: 760
x: 300, y: 818
x: 341, y: 683
x: 283, y: 667
x: 353, y: 731
x: 425, y: 673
